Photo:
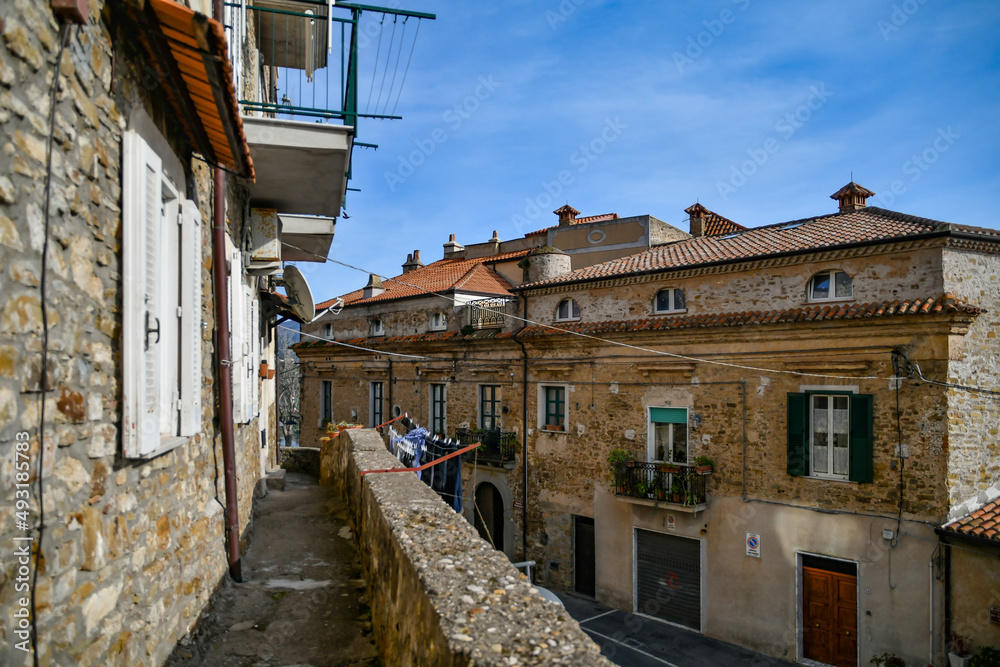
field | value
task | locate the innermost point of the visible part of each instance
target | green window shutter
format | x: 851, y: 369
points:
x: 862, y: 438
x: 668, y: 415
x: 798, y: 441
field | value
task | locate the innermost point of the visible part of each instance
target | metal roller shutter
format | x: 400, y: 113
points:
x: 668, y: 578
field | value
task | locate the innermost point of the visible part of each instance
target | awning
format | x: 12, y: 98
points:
x: 188, y: 51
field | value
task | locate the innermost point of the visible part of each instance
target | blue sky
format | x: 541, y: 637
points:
x: 758, y: 110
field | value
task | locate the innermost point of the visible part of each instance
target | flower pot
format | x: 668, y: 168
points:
x: 670, y: 469
x: 958, y: 660
x: 676, y: 497
x: 703, y: 470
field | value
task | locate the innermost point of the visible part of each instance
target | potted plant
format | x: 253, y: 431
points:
x: 986, y: 656
x: 888, y: 660
x: 643, y: 490
x: 959, y: 650
x: 670, y: 468
x: 703, y: 465
x: 676, y: 491
x: 619, y: 458
x: 659, y: 488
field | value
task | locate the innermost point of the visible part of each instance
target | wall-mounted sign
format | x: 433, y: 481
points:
x: 753, y: 545
x: 671, y: 522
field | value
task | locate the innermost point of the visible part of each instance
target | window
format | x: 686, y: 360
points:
x: 830, y: 435
x: 439, y: 321
x: 438, y: 409
x: 568, y: 309
x: 378, y: 329
x: 326, y: 407
x: 327, y: 331
x: 489, y: 406
x: 375, y: 406
x: 161, y: 305
x: 669, y: 300
x: 830, y: 286
x: 552, y: 408
x: 668, y: 435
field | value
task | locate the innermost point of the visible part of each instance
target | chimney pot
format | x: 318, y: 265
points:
x: 852, y: 197
x: 567, y: 215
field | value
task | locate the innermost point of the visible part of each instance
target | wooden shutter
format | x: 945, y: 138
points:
x: 190, y: 334
x: 141, y: 204
x: 798, y: 439
x: 862, y: 438
x: 253, y: 360
x: 237, y: 334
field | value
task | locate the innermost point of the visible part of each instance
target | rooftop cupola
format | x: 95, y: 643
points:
x: 567, y: 215
x: 412, y: 262
x: 373, y: 288
x: 852, y: 197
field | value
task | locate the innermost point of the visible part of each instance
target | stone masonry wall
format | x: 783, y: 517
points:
x: 132, y: 550
x: 439, y: 594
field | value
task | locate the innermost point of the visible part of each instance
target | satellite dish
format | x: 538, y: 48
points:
x: 300, y: 298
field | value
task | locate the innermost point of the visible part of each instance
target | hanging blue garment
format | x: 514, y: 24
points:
x: 409, y: 448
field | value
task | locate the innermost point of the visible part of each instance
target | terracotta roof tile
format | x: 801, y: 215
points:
x: 981, y: 523
x: 445, y: 275
x: 854, y: 227
x: 945, y: 303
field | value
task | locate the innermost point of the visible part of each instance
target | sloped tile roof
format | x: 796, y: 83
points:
x: 983, y: 523
x: 841, y: 311
x: 867, y: 225
x: 714, y: 224
x: 445, y: 275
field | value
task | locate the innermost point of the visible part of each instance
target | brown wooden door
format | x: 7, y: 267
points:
x: 830, y: 617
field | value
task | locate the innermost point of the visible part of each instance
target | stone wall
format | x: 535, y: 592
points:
x: 439, y: 594
x: 301, y: 459
x: 132, y: 549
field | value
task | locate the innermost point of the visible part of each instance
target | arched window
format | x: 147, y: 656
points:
x: 669, y: 300
x: 568, y: 309
x: 830, y: 286
x: 439, y: 321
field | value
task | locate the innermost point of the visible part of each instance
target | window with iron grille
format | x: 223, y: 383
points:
x: 438, y: 408
x: 376, y: 403
x: 489, y: 406
x: 327, y: 398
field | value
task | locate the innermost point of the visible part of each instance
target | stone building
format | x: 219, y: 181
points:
x: 143, y: 226
x: 835, y: 369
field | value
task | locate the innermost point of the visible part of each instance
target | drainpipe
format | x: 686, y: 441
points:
x: 225, y: 378
x: 524, y: 433
x: 223, y: 358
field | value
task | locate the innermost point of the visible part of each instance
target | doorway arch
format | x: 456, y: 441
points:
x: 488, y: 516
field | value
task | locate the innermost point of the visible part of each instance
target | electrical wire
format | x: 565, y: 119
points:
x: 43, y: 377
x: 354, y: 347
x: 407, y: 70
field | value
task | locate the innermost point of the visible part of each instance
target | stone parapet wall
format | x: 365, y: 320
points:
x: 439, y: 594
x: 301, y: 459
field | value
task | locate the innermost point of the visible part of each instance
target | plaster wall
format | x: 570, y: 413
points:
x: 975, y: 581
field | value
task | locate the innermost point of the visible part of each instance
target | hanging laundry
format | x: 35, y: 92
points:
x: 409, y: 448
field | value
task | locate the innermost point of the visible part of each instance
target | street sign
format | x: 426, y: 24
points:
x: 671, y: 522
x: 753, y: 545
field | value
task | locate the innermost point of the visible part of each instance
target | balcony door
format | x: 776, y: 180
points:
x: 668, y: 435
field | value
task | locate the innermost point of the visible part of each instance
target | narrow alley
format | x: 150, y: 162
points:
x: 302, y: 600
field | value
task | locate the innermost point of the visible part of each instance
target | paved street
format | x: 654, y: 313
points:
x: 637, y: 641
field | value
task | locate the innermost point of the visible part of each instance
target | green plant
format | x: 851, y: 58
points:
x: 960, y: 645
x: 468, y: 330
x: 986, y: 656
x: 704, y: 461
x: 642, y: 488
x: 619, y: 458
x: 888, y: 660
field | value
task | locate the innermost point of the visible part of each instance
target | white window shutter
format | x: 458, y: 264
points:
x: 141, y: 200
x: 255, y: 356
x: 237, y: 326
x: 190, y: 335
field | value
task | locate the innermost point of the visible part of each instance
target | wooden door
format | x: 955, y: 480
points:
x: 584, y: 556
x: 830, y: 617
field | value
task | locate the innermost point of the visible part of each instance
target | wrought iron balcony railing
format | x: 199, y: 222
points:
x: 496, y: 446
x: 489, y: 313
x: 665, y: 482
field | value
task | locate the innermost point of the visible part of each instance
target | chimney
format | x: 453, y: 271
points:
x: 852, y: 197
x: 373, y: 288
x: 697, y: 217
x: 453, y: 249
x: 495, y: 242
x: 412, y: 262
x: 567, y: 215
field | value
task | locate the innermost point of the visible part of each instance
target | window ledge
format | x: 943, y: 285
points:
x: 166, y: 444
x: 670, y: 312
x: 849, y: 299
x: 570, y: 319
x: 818, y: 478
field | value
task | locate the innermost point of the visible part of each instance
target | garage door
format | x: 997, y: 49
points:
x: 668, y: 578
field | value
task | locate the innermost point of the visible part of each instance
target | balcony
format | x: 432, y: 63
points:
x: 497, y: 447
x: 677, y: 486
x: 488, y: 313
x: 295, y: 65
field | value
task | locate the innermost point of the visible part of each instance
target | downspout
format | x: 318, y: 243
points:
x: 524, y: 433
x: 223, y: 360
